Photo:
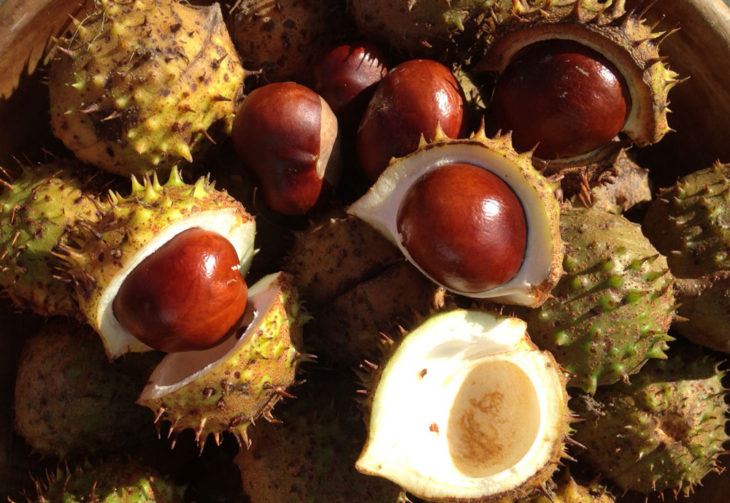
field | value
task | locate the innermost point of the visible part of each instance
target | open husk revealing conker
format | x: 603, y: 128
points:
x: 159, y: 260
x: 473, y: 215
x: 587, y: 69
x: 163, y: 268
x: 231, y: 385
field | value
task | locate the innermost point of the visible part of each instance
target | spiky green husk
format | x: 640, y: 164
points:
x: 113, y: 481
x: 688, y: 222
x: 662, y: 431
x: 252, y: 372
x: 311, y: 455
x: 138, y: 86
x: 354, y: 326
x: 36, y: 209
x: 103, y: 252
x: 606, y: 26
x: 612, y: 309
x: 283, y: 39
x: 71, y: 401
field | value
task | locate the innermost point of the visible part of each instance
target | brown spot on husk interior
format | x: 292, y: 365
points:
x: 494, y: 419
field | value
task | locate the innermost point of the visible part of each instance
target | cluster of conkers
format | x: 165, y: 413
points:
x: 462, y: 225
x: 463, y: 202
x: 287, y: 134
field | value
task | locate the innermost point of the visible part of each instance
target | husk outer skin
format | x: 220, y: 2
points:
x: 70, y: 401
x: 663, y: 431
x: 244, y: 386
x: 613, y: 308
x: 36, y: 211
x: 140, y: 86
x: 310, y: 456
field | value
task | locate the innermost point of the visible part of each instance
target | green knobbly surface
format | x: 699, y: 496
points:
x: 109, y: 482
x: 36, y: 210
x: 612, y: 309
x: 663, y: 430
x: 689, y: 222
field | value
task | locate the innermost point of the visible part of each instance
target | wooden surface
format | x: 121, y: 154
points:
x: 25, y: 28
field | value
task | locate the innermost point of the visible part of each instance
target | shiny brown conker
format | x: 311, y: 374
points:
x: 464, y: 227
x: 562, y: 96
x: 345, y: 76
x: 286, y: 134
x: 187, y: 295
x: 410, y: 101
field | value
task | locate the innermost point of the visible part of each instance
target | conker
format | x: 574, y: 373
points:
x: 562, y: 96
x: 410, y: 101
x: 345, y: 77
x: 464, y: 227
x: 187, y: 295
x: 285, y: 134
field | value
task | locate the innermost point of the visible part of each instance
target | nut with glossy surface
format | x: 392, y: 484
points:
x: 286, y: 135
x: 414, y: 99
x: 186, y: 296
x: 464, y: 226
x: 345, y: 77
x: 561, y: 96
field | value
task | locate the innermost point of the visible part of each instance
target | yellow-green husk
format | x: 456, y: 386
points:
x: 36, y: 210
x: 140, y: 86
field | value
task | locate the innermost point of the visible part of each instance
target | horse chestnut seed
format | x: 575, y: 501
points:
x: 187, y: 295
x: 345, y: 76
x: 464, y: 227
x: 410, y: 101
x: 286, y: 134
x: 561, y: 96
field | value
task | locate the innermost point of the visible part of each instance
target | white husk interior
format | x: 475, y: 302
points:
x: 178, y: 369
x: 379, y: 207
x: 226, y: 222
x: 413, y: 412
